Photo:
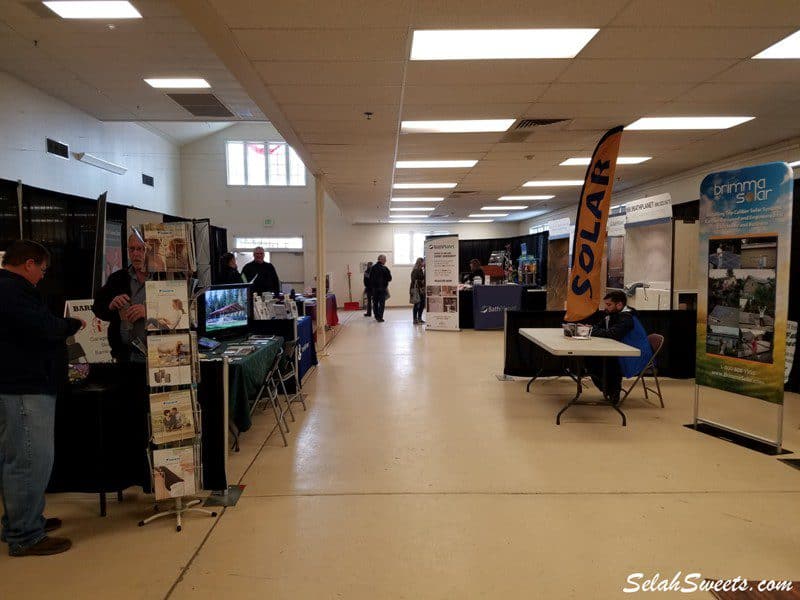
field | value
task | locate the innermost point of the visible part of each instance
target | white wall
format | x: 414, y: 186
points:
x: 28, y: 116
x: 242, y: 210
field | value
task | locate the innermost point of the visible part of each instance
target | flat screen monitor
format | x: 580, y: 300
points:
x: 224, y: 310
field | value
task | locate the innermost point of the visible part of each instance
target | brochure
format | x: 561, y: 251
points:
x: 167, y: 305
x: 173, y: 472
x: 169, y: 360
x: 172, y: 416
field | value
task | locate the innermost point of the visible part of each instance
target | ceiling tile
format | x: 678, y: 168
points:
x: 444, y: 14
x: 472, y: 94
x: 709, y: 13
x: 643, y: 71
x: 300, y: 14
x: 336, y: 94
x: 609, y: 92
x: 323, y: 45
x: 331, y: 73
x: 458, y: 72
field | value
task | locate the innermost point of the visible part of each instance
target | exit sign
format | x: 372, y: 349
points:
x: 268, y: 222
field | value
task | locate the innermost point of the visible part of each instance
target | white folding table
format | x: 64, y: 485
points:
x: 556, y: 343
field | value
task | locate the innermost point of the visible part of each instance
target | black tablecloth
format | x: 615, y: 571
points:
x: 466, y: 320
x: 677, y: 358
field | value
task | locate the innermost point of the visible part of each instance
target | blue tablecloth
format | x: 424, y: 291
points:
x: 490, y: 302
x: 308, y: 352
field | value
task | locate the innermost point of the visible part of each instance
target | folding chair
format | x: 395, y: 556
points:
x: 656, y: 343
x: 268, y: 394
x: 287, y: 371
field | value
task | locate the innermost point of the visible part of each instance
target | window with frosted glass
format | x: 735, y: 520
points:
x: 277, y: 164
x: 256, y: 164
x: 297, y: 170
x: 235, y: 156
x: 402, y: 248
x: 418, y: 247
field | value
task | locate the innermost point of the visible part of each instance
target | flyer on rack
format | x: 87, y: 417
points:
x: 170, y: 247
x: 167, y: 304
x: 172, y: 416
x: 745, y: 241
x: 441, y: 282
x: 173, y: 472
x: 169, y: 360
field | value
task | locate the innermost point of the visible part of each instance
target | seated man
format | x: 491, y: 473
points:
x: 619, y: 323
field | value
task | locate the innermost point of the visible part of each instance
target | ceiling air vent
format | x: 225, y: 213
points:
x: 202, y: 105
x: 525, y: 127
x: 148, y: 180
x: 57, y: 148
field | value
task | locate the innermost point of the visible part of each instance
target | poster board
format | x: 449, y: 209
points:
x: 441, y: 282
x: 90, y: 342
x: 743, y: 292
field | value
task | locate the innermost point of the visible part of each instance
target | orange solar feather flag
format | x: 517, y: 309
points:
x: 583, y: 286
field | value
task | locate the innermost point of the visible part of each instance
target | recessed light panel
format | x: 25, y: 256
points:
x: 520, y: 198
x: 683, y: 123
x: 93, y: 10
x: 494, y: 44
x: 554, y: 183
x: 509, y: 207
x: 435, y: 164
x: 788, y: 47
x: 621, y: 160
x: 417, y: 199
x: 178, y: 83
x: 423, y: 186
x: 457, y: 126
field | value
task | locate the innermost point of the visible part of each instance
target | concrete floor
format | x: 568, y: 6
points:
x: 417, y: 474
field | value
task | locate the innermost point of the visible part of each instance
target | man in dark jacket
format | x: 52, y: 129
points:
x: 267, y: 280
x: 121, y: 302
x: 31, y: 340
x: 615, y: 323
x: 368, y: 290
x: 379, y: 278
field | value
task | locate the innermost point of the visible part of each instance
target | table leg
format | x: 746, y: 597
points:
x: 579, y: 385
x: 607, y: 399
x: 528, y: 387
x: 102, y: 504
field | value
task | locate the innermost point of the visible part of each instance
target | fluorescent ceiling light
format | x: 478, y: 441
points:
x: 621, y: 160
x: 554, y: 183
x: 95, y: 161
x: 492, y: 44
x: 435, y: 164
x: 509, y: 207
x: 795, y: 164
x: 423, y: 186
x: 412, y: 209
x: 519, y: 198
x: 677, y: 123
x: 788, y: 47
x: 457, y: 126
x: 94, y: 10
x: 481, y: 215
x: 178, y: 83
x: 476, y: 220
x: 417, y: 199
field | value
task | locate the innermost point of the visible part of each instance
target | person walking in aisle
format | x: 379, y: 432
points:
x: 228, y: 273
x: 368, y: 290
x: 32, y: 344
x: 379, y: 278
x: 417, y: 290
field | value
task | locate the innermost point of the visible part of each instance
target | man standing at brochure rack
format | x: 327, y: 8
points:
x: 266, y: 277
x: 31, y: 340
x: 379, y: 278
x: 121, y: 302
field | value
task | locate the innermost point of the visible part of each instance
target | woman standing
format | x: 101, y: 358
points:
x: 417, y: 290
x: 227, y: 269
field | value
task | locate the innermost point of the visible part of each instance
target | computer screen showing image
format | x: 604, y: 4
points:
x: 225, y: 310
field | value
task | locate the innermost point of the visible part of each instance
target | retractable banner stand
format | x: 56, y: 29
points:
x: 441, y: 282
x: 584, y: 286
x: 745, y: 243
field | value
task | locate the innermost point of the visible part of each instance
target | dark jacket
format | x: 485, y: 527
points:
x: 619, y: 325
x: 417, y: 281
x: 230, y: 275
x: 31, y: 339
x: 379, y: 277
x: 119, y: 282
x: 267, y: 280
x: 366, y: 280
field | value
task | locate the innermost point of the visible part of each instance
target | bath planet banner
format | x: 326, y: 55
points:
x: 745, y: 242
x: 584, y: 287
x: 441, y: 282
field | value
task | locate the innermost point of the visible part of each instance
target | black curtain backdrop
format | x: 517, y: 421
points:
x: 218, y: 239
x: 482, y: 250
x: 794, y: 284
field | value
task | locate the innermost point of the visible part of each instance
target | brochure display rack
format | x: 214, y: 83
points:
x: 172, y: 370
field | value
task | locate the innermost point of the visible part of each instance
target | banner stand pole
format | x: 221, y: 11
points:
x: 780, y: 428
x: 696, y: 403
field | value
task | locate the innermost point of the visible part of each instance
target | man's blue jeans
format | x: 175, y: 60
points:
x: 26, y: 459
